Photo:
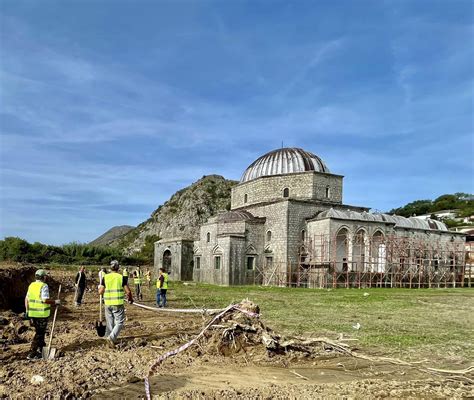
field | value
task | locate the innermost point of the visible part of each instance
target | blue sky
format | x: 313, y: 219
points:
x: 108, y: 107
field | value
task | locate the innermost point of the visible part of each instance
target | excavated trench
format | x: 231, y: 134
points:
x: 14, y: 282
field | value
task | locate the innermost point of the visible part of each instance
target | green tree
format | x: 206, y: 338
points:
x: 147, y: 253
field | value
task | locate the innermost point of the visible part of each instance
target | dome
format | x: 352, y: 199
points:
x: 284, y: 161
x: 234, y: 216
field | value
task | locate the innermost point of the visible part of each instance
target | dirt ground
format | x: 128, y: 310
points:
x: 87, y: 368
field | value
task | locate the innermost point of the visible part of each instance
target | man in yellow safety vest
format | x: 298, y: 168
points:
x: 125, y: 275
x: 148, y: 277
x: 37, y: 305
x: 113, y: 287
x: 161, y: 288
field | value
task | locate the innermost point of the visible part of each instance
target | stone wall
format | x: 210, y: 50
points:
x: 181, y: 258
x: 327, y: 187
x: 276, y: 248
x: 207, y: 252
x: 232, y: 242
x: 298, y: 212
x: 303, y: 185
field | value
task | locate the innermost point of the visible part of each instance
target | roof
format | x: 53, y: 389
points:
x: 397, y: 220
x: 239, y: 215
x: 284, y: 161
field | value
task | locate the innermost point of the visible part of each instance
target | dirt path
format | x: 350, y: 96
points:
x: 88, y: 368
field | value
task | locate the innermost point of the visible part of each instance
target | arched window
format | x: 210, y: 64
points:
x: 269, y: 236
x: 303, y: 235
x: 245, y: 198
x: 208, y: 237
x: 251, y: 262
x: 328, y: 192
x: 286, y: 192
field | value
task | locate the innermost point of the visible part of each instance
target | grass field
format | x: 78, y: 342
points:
x: 412, y: 324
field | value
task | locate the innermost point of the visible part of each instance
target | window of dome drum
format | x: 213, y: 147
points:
x: 250, y: 262
x: 328, y: 192
x: 208, y: 239
x: 198, y: 263
x: 286, y: 192
x: 217, y: 262
x: 269, y: 236
x: 245, y: 198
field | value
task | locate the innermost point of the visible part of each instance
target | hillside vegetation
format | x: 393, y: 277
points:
x: 18, y: 250
x: 458, y: 201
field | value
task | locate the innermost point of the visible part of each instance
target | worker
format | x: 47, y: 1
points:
x: 37, y: 305
x: 112, y: 288
x: 137, y: 275
x: 80, y: 285
x: 148, y: 278
x: 102, y: 272
x: 161, y: 288
x: 125, y: 275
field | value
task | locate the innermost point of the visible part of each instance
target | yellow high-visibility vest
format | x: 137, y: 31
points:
x: 113, y: 295
x: 165, y: 281
x: 125, y: 272
x: 138, y: 279
x: 36, y: 307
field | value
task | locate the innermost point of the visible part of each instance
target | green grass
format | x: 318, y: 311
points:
x: 434, y: 323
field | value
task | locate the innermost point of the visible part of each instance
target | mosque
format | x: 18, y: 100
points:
x: 288, y: 226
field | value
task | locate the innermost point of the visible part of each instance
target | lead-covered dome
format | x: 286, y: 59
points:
x: 284, y: 161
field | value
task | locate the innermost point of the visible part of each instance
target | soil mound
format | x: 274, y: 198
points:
x: 14, y: 281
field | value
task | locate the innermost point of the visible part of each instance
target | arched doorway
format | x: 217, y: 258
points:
x: 359, y: 251
x: 167, y: 260
x: 342, y: 250
x: 378, y: 252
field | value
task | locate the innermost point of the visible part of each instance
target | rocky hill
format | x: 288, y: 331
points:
x: 111, y: 235
x: 182, y: 214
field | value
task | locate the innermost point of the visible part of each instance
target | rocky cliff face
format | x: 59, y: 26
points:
x: 183, y: 213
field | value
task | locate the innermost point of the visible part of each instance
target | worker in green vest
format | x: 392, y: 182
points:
x: 113, y: 288
x: 38, y: 308
x: 161, y: 288
x: 137, y: 280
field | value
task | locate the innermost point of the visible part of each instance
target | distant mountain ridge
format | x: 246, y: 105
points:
x: 181, y: 215
x: 110, y: 237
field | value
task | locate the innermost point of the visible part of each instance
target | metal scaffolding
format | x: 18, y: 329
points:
x: 379, y: 261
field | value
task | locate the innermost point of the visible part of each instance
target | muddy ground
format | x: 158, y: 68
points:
x: 87, y: 368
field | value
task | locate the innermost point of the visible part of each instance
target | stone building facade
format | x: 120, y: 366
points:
x: 286, y: 202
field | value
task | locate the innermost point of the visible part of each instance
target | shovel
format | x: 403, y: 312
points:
x: 98, y: 325
x: 48, y: 352
x: 75, y: 293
